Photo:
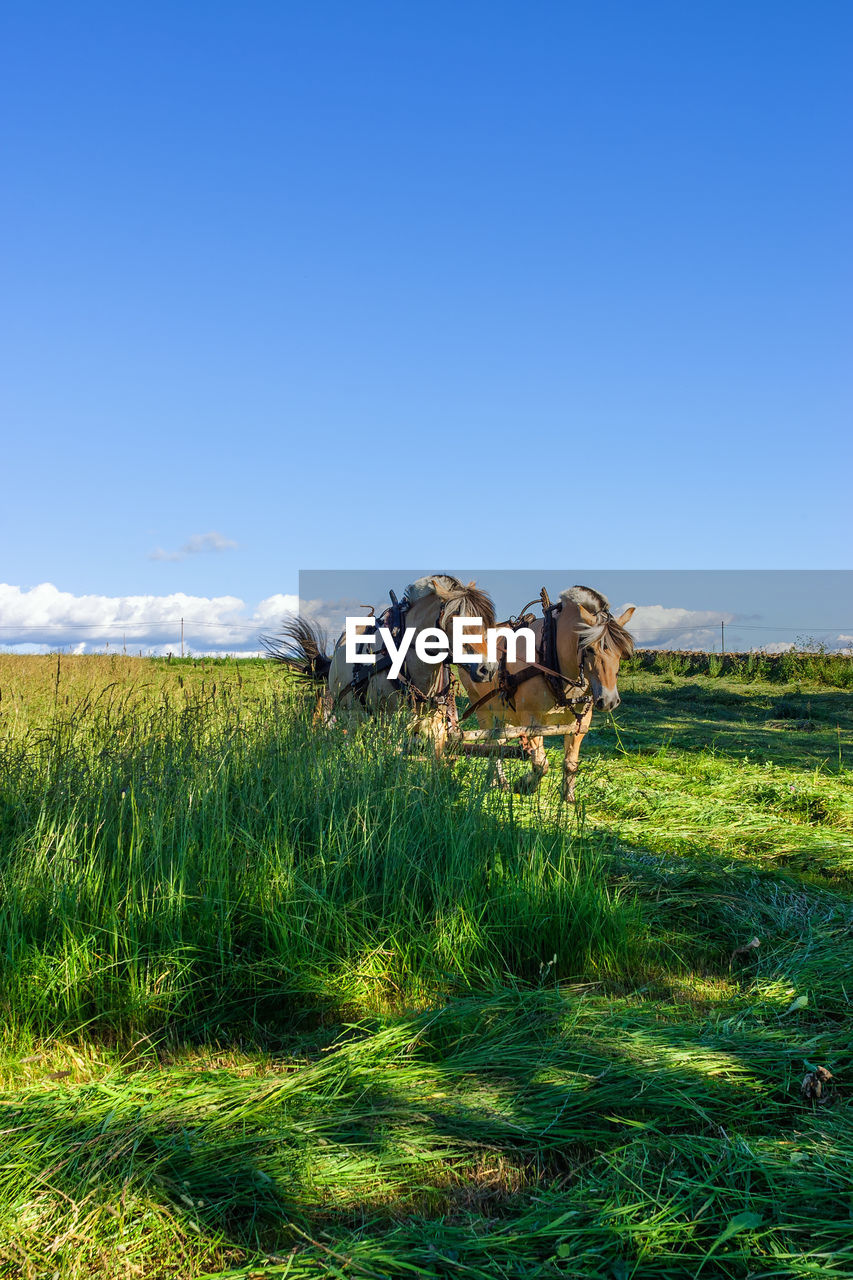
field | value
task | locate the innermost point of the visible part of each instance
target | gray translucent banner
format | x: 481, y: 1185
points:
x: 675, y: 609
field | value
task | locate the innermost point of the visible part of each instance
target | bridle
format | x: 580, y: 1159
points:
x: 445, y: 697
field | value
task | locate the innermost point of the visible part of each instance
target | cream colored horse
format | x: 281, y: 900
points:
x: 590, y: 644
x: 430, y: 602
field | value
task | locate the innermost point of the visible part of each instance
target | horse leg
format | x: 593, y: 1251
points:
x: 438, y: 733
x: 534, y: 749
x: 430, y: 730
x: 497, y: 776
x: 323, y: 709
x: 571, y: 750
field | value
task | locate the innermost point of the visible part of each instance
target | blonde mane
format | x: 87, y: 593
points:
x: 468, y: 599
x: 605, y: 630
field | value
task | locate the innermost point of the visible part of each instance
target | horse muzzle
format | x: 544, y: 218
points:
x: 484, y: 672
x: 607, y: 700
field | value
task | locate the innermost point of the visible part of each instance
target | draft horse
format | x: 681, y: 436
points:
x: 579, y: 645
x: 427, y: 688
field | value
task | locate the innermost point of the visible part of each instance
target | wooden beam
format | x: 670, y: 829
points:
x: 518, y: 731
x: 507, y: 750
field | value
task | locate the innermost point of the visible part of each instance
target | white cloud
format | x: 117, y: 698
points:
x: 655, y: 626
x: 198, y: 544
x: 45, y: 618
x: 328, y: 616
x: 271, y: 612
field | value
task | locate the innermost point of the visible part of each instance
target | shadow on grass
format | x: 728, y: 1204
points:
x: 589, y: 1108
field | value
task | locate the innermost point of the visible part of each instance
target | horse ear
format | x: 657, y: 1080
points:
x: 626, y: 616
x: 586, y: 616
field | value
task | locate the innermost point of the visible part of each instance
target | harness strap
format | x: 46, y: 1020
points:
x: 521, y: 677
x: 509, y: 681
x: 522, y: 618
x: 394, y: 618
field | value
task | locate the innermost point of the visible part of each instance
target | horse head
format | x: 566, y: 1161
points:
x: 447, y: 597
x: 602, y: 643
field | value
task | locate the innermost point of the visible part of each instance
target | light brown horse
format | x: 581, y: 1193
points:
x: 590, y: 644
x: 430, y: 602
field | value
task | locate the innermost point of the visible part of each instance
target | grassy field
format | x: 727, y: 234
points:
x: 284, y: 1003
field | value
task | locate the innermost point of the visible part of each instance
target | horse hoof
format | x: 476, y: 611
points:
x: 526, y: 785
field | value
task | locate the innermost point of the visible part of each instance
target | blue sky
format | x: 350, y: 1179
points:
x: 290, y: 286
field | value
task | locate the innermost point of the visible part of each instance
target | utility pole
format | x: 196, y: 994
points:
x: 722, y: 638
x: 182, y: 637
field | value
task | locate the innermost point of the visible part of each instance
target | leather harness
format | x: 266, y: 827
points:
x: 394, y: 619
x: 559, y: 684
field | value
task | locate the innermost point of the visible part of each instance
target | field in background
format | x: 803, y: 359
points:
x: 814, y: 664
x: 286, y: 1003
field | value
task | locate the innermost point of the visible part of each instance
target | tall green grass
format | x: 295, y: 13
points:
x: 204, y: 861
x: 287, y: 1002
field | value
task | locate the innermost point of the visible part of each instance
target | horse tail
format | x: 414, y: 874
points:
x: 302, y: 648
